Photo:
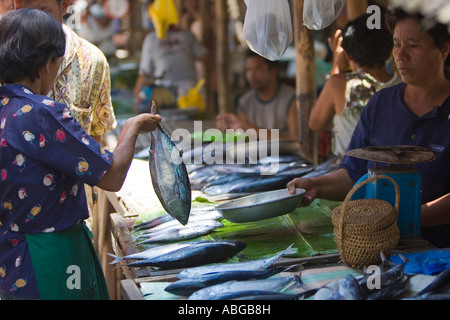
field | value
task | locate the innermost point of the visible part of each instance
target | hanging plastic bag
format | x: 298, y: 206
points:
x: 163, y: 14
x: 268, y: 27
x: 319, y: 14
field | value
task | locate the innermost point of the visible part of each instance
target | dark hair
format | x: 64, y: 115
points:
x: 270, y: 63
x: 367, y: 47
x: 438, y: 32
x: 28, y: 39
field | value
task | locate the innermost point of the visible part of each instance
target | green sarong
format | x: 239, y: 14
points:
x: 66, y: 265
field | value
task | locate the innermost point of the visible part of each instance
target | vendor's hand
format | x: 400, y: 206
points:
x: 227, y: 121
x: 146, y: 122
x: 303, y: 183
x: 340, y: 61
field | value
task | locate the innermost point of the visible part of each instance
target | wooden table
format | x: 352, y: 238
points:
x: 136, y: 196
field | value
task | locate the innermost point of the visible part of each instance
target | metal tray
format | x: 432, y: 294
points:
x: 261, y: 206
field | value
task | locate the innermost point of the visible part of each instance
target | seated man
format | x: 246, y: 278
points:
x: 269, y: 104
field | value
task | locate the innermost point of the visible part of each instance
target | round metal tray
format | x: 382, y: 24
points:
x: 261, y: 206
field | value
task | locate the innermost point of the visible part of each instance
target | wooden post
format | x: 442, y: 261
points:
x: 356, y: 8
x: 208, y: 40
x: 222, y: 56
x: 305, y: 82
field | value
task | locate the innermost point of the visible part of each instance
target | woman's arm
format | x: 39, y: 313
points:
x: 124, y: 151
x: 436, y: 212
x: 331, y: 99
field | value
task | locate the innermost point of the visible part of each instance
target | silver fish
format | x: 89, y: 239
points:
x: 185, y: 287
x: 263, y: 295
x: 150, y: 253
x: 169, y: 175
x: 340, y: 289
x: 196, y: 213
x: 439, y: 285
x: 254, y: 265
x: 194, y: 255
x: 193, y: 221
x: 178, y: 234
x: 347, y: 289
x: 274, y: 284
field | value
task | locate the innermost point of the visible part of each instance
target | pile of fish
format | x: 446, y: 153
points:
x: 392, y: 285
x: 240, y: 280
x: 165, y: 228
x: 170, y: 248
x: 266, y: 175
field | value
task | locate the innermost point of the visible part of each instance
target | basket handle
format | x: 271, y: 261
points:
x: 363, y: 183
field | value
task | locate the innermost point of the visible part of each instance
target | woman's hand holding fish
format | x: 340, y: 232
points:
x: 124, y: 151
x: 146, y: 122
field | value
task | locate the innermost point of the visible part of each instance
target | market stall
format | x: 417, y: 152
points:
x: 309, y: 230
x: 315, y: 259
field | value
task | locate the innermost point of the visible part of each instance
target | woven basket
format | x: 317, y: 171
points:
x: 363, y: 228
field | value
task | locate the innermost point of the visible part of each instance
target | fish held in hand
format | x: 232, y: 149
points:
x: 169, y: 175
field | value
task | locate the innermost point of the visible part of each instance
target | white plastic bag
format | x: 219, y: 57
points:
x: 319, y: 14
x: 268, y: 27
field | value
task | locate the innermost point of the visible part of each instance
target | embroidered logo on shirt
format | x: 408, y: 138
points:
x: 437, y: 148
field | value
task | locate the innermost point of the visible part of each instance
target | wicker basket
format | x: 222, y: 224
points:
x: 364, y: 228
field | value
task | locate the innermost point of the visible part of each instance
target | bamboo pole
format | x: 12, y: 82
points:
x: 305, y: 82
x: 355, y: 8
x: 222, y: 56
x: 208, y: 41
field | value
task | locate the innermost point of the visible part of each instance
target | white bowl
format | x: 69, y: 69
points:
x: 261, y: 206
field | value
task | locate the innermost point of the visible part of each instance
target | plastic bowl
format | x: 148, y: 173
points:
x: 261, y: 206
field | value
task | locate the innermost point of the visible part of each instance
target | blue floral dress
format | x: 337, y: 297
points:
x: 45, y: 159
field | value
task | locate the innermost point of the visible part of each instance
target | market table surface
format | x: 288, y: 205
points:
x: 137, y: 196
x: 305, y: 229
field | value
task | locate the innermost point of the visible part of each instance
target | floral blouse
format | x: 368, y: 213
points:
x: 45, y: 159
x: 84, y: 84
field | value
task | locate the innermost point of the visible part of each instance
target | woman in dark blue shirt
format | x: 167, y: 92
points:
x: 416, y: 112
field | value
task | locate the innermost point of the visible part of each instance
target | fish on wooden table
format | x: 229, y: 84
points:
x: 440, y: 285
x: 273, y: 284
x: 254, y: 265
x: 173, y: 234
x: 388, y: 274
x: 194, y: 255
x: 185, y: 287
x: 169, y: 175
x: 196, y: 213
x: 208, y: 216
x: 264, y: 295
x: 175, y: 225
x: 149, y: 253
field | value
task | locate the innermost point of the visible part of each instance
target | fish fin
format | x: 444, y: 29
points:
x: 153, y: 109
x: 116, y: 258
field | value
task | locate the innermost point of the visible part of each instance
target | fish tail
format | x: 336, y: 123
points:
x: 116, y: 258
x: 289, y: 250
x: 298, y: 281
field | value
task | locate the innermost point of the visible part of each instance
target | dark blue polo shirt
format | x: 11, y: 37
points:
x: 387, y: 121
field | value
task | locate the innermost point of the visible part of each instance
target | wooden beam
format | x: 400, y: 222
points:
x: 222, y: 56
x: 305, y: 82
x: 208, y: 40
x: 355, y: 8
